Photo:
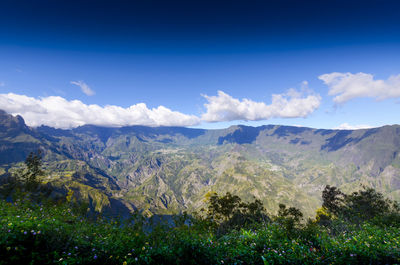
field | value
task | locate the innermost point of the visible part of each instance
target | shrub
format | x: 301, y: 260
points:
x: 360, y: 206
x: 289, y: 217
x: 230, y: 212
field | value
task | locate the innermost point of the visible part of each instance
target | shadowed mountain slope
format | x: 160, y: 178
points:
x: 168, y: 169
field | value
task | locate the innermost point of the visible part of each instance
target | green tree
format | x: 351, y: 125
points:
x: 33, y: 170
x: 25, y: 180
x: 289, y: 217
x: 222, y: 208
x: 359, y: 206
x: 367, y: 204
x: 333, y: 199
x: 230, y: 212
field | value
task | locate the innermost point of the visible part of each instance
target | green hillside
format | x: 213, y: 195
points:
x: 165, y: 170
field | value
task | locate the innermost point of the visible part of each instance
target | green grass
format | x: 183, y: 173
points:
x: 56, y: 234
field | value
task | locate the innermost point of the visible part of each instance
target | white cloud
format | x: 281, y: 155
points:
x: 346, y: 86
x: 292, y: 104
x: 84, y: 87
x: 304, y: 84
x: 346, y: 126
x: 58, y: 112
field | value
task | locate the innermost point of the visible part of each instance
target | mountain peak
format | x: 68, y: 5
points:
x: 9, y: 122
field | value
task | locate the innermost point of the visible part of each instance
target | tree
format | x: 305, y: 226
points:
x: 323, y: 217
x: 221, y: 209
x: 25, y: 180
x: 359, y: 206
x: 333, y: 199
x: 33, y: 164
x: 289, y: 217
x: 366, y: 204
x: 230, y: 212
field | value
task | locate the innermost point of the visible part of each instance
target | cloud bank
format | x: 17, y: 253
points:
x: 346, y: 86
x: 84, y: 87
x: 58, y: 112
x: 292, y: 104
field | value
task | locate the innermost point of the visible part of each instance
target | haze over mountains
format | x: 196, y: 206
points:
x: 162, y: 170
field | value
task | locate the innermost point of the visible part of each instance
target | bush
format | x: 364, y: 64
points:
x: 31, y: 233
x: 289, y: 218
x: 229, y: 212
x: 360, y: 206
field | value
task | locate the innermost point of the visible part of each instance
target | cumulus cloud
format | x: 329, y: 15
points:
x: 346, y: 86
x: 58, y: 112
x: 84, y: 87
x: 346, y: 126
x: 292, y: 104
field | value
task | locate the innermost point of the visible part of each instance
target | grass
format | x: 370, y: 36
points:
x: 56, y: 234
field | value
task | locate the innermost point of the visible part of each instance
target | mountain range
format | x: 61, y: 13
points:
x: 164, y: 170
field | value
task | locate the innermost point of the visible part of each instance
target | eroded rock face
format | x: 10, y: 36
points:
x: 168, y: 169
x: 11, y: 125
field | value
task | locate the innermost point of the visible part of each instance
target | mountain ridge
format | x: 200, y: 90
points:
x: 162, y: 170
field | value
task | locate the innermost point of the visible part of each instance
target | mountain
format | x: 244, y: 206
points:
x: 162, y: 170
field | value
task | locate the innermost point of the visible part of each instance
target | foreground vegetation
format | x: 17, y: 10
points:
x: 38, y: 234
x: 358, y: 228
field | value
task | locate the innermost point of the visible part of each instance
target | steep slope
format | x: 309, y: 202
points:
x: 169, y: 169
x: 16, y: 139
x: 63, y: 172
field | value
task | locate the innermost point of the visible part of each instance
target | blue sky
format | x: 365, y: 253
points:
x: 322, y: 64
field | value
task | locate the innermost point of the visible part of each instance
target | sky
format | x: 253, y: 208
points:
x: 202, y: 64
